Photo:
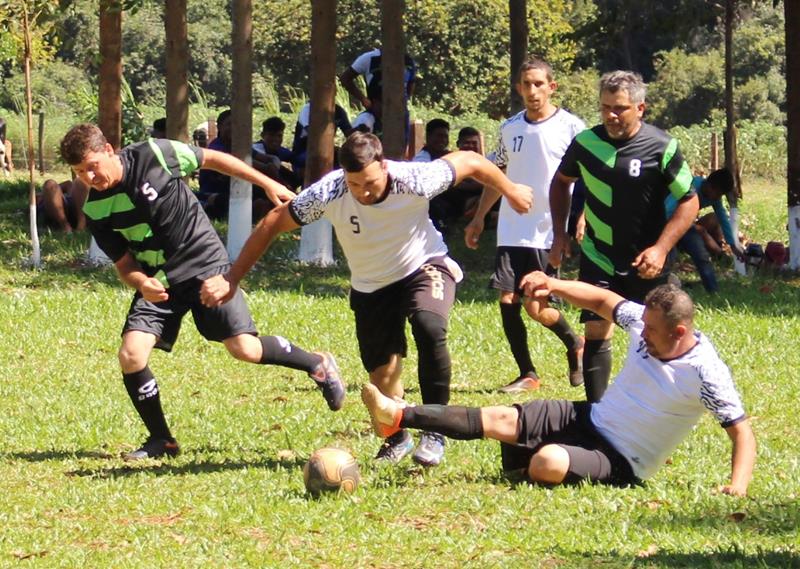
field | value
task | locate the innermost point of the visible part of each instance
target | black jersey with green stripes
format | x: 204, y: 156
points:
x: 152, y: 214
x: 627, y: 183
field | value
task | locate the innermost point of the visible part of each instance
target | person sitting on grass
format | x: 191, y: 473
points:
x: 60, y: 206
x: 148, y: 222
x: 671, y: 375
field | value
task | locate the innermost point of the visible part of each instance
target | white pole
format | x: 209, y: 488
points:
x: 240, y: 215
x: 316, y: 244
x: 738, y: 265
x: 794, y: 237
x: 95, y: 255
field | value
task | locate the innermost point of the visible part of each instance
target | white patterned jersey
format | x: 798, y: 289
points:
x: 531, y: 153
x: 388, y: 240
x: 653, y: 404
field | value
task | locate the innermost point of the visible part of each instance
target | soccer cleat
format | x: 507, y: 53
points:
x: 396, y: 447
x: 384, y: 411
x: 154, y: 448
x: 529, y: 382
x: 575, y: 361
x: 430, y: 450
x: 329, y: 381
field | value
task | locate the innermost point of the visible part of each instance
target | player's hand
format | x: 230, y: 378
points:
x: 153, y: 290
x: 732, y: 490
x: 521, y: 199
x: 217, y: 290
x: 738, y: 252
x: 650, y: 262
x: 559, y: 249
x: 535, y: 285
x: 580, y: 228
x: 278, y: 194
x: 472, y: 232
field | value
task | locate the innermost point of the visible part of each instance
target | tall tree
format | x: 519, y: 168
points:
x: 110, y: 74
x: 316, y: 244
x: 176, y: 64
x: 393, y: 69
x: 240, y: 214
x: 518, y: 27
x: 731, y: 156
x: 792, y: 12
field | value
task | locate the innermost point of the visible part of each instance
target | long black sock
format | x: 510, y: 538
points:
x: 463, y: 423
x: 565, y: 333
x: 596, y: 368
x: 434, y: 370
x: 517, y: 336
x: 143, y: 391
x: 280, y: 351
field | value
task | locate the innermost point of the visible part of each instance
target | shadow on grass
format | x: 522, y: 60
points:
x: 716, y: 560
x: 54, y: 454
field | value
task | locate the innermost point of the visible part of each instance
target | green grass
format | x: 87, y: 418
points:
x: 235, y: 497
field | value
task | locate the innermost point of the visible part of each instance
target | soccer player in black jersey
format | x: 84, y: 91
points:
x: 148, y: 222
x: 628, y: 167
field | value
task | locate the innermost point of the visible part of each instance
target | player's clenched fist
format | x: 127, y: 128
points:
x: 216, y: 290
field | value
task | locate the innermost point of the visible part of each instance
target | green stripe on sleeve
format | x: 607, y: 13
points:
x: 601, y: 229
x: 160, y: 155
x: 150, y: 257
x: 187, y: 160
x: 597, y: 187
x: 161, y: 276
x: 99, y: 209
x: 587, y: 245
x: 138, y: 232
x: 669, y: 153
x: 682, y: 183
x: 598, y: 147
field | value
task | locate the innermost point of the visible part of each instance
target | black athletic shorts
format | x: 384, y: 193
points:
x: 513, y: 263
x: 568, y: 425
x: 163, y: 319
x: 630, y: 285
x: 381, y: 315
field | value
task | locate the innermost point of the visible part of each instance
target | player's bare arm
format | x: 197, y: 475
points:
x: 650, y: 262
x: 468, y: 164
x: 348, y: 80
x: 743, y: 457
x: 219, y: 289
x: 232, y: 166
x: 560, y: 200
x: 598, y: 300
x: 130, y: 272
x: 474, y: 228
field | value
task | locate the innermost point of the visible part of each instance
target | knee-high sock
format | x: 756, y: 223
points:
x: 454, y: 422
x: 143, y: 391
x: 565, y: 333
x: 517, y: 336
x: 430, y: 335
x: 596, y: 368
x: 280, y: 351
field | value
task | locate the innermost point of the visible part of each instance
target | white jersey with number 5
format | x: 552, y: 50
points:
x: 531, y: 153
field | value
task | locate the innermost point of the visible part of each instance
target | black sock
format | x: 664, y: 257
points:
x: 565, y: 333
x: 596, y: 368
x: 280, y: 351
x: 463, y: 423
x: 143, y: 391
x: 434, y: 369
x: 517, y: 336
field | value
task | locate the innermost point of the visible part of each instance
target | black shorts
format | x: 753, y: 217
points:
x: 163, y: 319
x: 568, y: 425
x: 513, y: 263
x: 381, y: 315
x: 630, y: 286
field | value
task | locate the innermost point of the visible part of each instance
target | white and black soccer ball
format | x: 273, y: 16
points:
x: 331, y: 470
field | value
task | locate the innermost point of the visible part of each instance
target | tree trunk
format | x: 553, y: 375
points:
x: 177, y: 62
x: 792, y: 13
x: 316, y: 243
x: 109, y: 113
x: 731, y: 155
x: 518, y: 26
x: 36, y: 254
x: 393, y: 69
x: 240, y: 214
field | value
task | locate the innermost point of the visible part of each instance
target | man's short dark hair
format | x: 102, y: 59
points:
x: 273, y: 124
x: 223, y: 116
x: 79, y: 141
x: 359, y: 151
x: 532, y: 62
x: 160, y: 124
x: 676, y: 306
x: 467, y: 132
x: 722, y: 180
x: 436, y: 124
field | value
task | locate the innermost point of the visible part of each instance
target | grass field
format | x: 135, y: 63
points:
x: 235, y: 497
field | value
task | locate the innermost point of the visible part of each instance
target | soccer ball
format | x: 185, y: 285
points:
x: 331, y: 470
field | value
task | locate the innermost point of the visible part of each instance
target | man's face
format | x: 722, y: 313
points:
x: 535, y: 89
x: 438, y: 141
x: 621, y: 117
x: 661, y: 338
x: 272, y: 141
x: 368, y: 185
x: 470, y: 143
x: 99, y: 170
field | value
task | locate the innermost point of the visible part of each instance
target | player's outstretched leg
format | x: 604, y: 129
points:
x: 517, y: 336
x: 329, y: 380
